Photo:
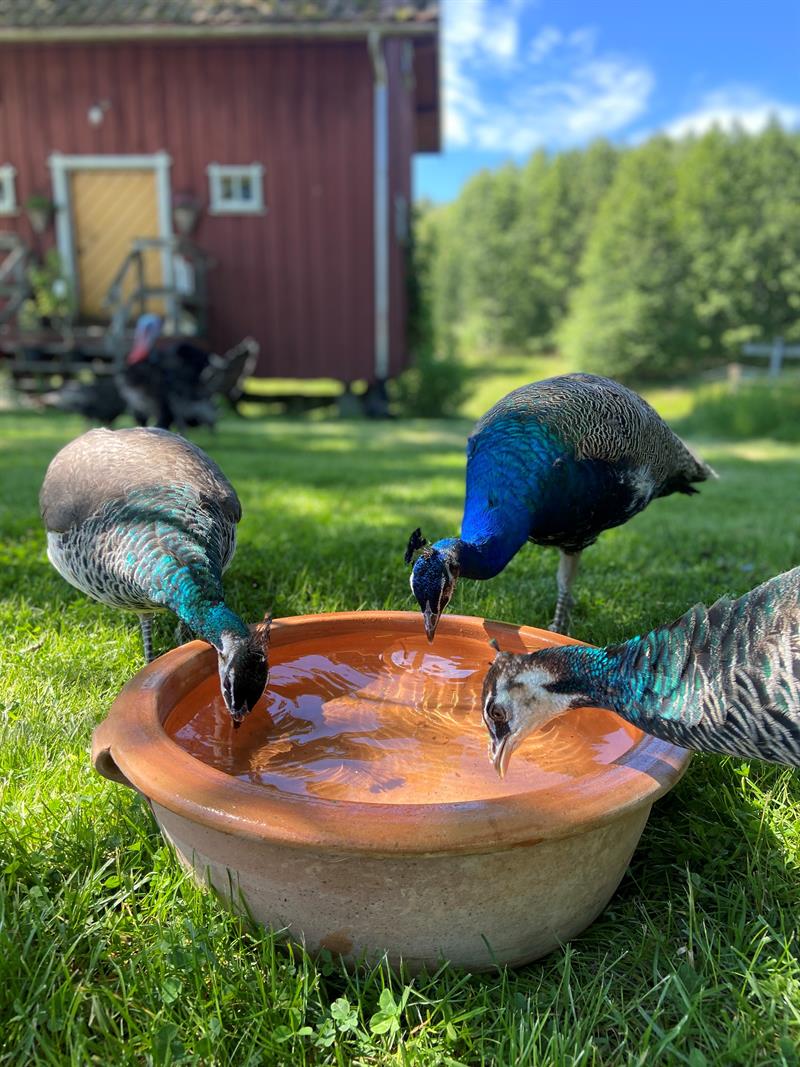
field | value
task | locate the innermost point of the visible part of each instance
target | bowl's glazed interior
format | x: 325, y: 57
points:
x: 384, y: 717
x: 371, y: 739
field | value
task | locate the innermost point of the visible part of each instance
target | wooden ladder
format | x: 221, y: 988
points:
x: 184, y: 290
x: 14, y: 286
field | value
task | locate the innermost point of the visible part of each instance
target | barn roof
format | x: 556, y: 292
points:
x: 23, y: 15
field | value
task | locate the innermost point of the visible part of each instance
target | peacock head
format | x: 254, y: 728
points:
x: 244, y: 668
x: 520, y: 694
x: 433, y: 578
x: 148, y: 331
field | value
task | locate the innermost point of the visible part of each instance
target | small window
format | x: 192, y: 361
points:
x: 8, y: 194
x: 236, y: 190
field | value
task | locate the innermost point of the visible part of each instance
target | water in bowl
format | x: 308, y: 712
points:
x: 391, y: 719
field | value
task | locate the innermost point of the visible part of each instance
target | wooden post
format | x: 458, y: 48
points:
x: 140, y: 280
x: 776, y: 353
x: 776, y: 357
x: 734, y: 376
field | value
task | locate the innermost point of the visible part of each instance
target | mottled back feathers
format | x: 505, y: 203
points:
x: 103, y: 466
x: 599, y: 419
x: 724, y: 679
x: 143, y: 519
x: 727, y: 677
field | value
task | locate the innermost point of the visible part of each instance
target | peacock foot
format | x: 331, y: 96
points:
x: 561, y: 619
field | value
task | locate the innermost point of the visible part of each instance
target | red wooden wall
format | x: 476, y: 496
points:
x: 300, y: 278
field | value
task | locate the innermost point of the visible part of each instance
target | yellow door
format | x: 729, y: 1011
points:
x: 110, y: 210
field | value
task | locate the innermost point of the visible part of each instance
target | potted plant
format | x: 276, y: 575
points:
x: 185, y: 213
x: 51, y: 303
x: 39, y: 209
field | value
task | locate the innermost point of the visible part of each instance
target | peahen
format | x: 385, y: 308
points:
x: 556, y: 463
x: 723, y: 679
x: 143, y: 519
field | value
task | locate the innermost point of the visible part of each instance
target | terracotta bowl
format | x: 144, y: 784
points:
x: 356, y: 809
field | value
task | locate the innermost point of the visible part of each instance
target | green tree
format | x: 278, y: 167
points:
x: 435, y: 384
x: 773, y: 304
x: 631, y: 316
x: 646, y: 262
x: 446, y: 271
x: 486, y: 218
x: 739, y: 213
x: 511, y: 245
x: 570, y: 191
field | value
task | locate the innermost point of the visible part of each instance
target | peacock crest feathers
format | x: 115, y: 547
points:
x: 556, y: 463
x: 417, y: 546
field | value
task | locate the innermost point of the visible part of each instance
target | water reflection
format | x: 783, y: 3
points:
x: 386, y: 719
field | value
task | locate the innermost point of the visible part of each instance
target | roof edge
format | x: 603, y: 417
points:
x: 157, y: 32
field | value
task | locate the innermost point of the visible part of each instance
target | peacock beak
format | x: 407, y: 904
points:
x: 238, y: 716
x: 500, y: 753
x: 501, y: 740
x: 431, y: 620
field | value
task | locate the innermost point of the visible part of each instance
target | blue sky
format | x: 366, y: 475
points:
x: 522, y: 74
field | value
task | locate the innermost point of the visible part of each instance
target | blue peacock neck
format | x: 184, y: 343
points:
x: 199, y: 605
x: 590, y: 674
x: 217, y: 620
x: 606, y: 678
x: 488, y: 542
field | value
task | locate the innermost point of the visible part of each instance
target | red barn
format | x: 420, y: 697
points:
x: 279, y: 133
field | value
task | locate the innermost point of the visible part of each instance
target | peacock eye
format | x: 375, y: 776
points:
x: 496, y: 715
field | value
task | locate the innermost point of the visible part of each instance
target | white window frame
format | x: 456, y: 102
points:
x: 8, y: 189
x: 218, y: 205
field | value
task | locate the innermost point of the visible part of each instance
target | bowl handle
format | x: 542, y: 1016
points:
x: 102, y: 760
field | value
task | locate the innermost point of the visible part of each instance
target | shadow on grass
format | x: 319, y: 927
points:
x: 308, y: 455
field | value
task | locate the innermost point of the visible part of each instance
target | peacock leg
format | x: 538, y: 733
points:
x: 567, y: 569
x: 146, y: 623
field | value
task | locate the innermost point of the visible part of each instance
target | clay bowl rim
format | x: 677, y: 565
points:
x: 131, y: 747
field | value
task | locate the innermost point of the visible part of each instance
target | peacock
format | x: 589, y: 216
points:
x: 142, y: 519
x: 723, y: 679
x: 555, y: 462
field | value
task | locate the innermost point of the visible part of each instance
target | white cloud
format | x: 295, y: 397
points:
x: 559, y: 90
x: 475, y: 28
x: 728, y: 108
x: 607, y: 95
x: 500, y: 38
x: 601, y: 97
x: 584, y: 39
x: 544, y: 42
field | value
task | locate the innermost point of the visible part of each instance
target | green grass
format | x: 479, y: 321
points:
x: 491, y: 375
x: 109, y: 955
x: 758, y: 406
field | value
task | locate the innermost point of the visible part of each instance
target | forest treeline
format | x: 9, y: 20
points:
x: 647, y: 262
